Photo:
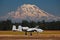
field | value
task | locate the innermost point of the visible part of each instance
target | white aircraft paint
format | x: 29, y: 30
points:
x: 20, y: 28
x: 14, y: 27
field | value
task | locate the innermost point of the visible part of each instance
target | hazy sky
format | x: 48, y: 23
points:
x: 50, y: 6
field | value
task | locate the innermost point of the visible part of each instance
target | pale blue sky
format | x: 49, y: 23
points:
x: 50, y: 6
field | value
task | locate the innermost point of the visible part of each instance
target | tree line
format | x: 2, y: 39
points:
x: 7, y: 25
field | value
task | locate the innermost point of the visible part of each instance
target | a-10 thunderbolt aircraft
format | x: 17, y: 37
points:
x: 20, y: 28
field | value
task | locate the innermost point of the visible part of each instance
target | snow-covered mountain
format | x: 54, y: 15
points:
x: 30, y: 13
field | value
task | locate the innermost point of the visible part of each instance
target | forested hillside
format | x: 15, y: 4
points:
x: 54, y: 25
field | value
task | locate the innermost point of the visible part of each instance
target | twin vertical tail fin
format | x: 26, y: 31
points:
x: 14, y: 28
x: 19, y: 28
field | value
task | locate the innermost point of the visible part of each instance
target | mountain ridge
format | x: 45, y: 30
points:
x: 30, y: 13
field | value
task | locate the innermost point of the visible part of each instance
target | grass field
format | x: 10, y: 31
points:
x: 22, y: 33
x: 53, y: 35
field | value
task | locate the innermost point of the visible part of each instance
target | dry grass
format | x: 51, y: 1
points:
x: 10, y: 35
x: 22, y: 33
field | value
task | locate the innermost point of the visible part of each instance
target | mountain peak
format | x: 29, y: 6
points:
x: 31, y: 13
x: 28, y: 5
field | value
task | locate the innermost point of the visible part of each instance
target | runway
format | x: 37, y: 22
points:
x: 27, y: 37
